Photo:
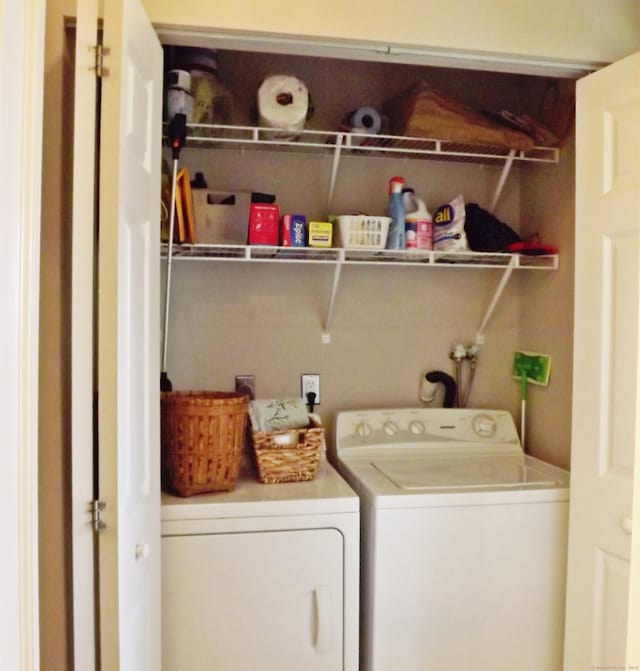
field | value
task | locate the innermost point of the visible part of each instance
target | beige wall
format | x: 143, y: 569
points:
x: 55, y: 456
x: 390, y: 324
x: 546, y: 306
x: 584, y: 30
x: 365, y: 312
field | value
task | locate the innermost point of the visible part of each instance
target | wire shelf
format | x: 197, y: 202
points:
x: 333, y: 255
x: 315, y: 141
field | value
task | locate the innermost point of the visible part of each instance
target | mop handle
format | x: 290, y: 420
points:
x: 523, y: 408
x: 172, y: 216
x: 177, y: 137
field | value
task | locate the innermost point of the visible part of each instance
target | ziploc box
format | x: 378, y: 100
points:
x: 221, y: 216
x: 263, y: 224
x: 320, y: 233
x: 293, y: 230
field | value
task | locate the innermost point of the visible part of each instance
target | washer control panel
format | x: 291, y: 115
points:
x: 424, y: 427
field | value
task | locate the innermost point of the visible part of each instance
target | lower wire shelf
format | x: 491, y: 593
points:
x: 406, y: 257
x: 340, y: 257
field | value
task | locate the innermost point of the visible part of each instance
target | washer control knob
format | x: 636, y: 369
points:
x: 484, y: 425
x: 390, y: 428
x: 416, y: 427
x: 363, y: 430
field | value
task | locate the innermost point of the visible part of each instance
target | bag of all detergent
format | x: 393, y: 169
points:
x: 448, y: 226
x: 486, y: 233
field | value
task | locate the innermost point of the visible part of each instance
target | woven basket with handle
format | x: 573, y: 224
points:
x: 202, y: 436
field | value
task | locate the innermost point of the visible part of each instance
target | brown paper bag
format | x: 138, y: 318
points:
x: 424, y: 112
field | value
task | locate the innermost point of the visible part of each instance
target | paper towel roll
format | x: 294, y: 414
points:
x: 283, y: 104
x: 366, y: 120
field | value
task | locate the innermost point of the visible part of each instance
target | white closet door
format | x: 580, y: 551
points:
x: 603, y: 591
x: 271, y: 601
x: 128, y: 341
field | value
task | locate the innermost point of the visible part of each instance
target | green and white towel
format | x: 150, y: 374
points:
x: 279, y: 413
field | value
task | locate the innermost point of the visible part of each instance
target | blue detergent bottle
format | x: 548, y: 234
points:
x: 396, y: 237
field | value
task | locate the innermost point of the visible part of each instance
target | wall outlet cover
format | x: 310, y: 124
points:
x: 310, y: 382
x: 246, y: 384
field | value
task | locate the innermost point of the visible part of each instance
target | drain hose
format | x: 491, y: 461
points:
x: 449, y: 386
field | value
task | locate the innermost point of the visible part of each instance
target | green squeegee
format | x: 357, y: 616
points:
x: 529, y: 367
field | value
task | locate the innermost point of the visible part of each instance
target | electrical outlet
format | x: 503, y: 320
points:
x: 311, y: 383
x: 246, y: 384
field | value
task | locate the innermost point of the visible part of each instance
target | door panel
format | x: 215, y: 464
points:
x: 605, y: 432
x: 128, y: 341
x: 83, y: 336
x: 271, y: 601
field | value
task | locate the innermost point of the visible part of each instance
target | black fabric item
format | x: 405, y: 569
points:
x: 484, y: 232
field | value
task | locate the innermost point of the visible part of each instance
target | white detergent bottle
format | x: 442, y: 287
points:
x: 418, y: 222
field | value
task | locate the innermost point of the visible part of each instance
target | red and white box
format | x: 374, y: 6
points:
x: 264, y: 224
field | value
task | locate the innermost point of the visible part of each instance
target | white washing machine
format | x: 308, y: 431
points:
x: 263, y: 577
x: 464, y: 541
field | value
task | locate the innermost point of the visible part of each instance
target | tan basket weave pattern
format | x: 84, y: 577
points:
x: 287, y: 455
x: 202, y: 436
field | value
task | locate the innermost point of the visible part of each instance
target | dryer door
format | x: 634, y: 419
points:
x: 261, y: 600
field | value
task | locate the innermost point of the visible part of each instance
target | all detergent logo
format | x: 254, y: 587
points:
x: 444, y: 215
x: 448, y: 228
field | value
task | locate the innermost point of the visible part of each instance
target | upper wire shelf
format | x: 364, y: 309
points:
x: 314, y: 141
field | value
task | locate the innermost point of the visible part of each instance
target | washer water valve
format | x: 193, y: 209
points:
x: 454, y: 395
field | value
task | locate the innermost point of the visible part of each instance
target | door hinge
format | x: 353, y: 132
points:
x: 100, y: 52
x: 96, y: 508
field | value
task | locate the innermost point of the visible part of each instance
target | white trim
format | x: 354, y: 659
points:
x: 21, y: 90
x: 82, y: 337
x: 375, y: 51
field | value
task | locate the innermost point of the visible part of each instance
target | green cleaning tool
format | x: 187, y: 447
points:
x: 529, y: 367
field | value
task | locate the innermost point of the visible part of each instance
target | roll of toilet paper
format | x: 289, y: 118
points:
x: 283, y: 104
x: 366, y: 120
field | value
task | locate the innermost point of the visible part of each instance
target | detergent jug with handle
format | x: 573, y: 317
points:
x: 418, y: 222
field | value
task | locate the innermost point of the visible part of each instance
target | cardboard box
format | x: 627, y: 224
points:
x: 293, y: 230
x: 264, y: 222
x: 320, y: 233
x: 222, y: 217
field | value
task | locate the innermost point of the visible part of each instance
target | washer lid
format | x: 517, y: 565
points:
x: 462, y: 472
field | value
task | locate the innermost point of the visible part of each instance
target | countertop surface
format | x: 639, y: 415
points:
x: 326, y: 493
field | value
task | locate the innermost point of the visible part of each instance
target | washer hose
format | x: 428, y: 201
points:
x: 449, y: 386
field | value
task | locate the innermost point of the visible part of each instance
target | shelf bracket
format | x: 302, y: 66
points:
x: 334, y: 170
x: 326, y: 331
x: 506, y: 169
x: 506, y: 275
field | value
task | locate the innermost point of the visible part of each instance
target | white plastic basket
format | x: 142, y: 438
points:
x: 360, y: 231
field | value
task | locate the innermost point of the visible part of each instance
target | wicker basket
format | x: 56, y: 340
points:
x: 202, y: 437
x: 288, y: 455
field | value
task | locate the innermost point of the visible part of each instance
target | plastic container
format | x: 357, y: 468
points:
x: 396, y: 236
x: 212, y: 102
x: 417, y: 221
x: 360, y: 231
x: 179, y: 98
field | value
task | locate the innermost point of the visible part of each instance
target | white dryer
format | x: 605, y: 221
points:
x: 464, y: 541
x: 262, y: 577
